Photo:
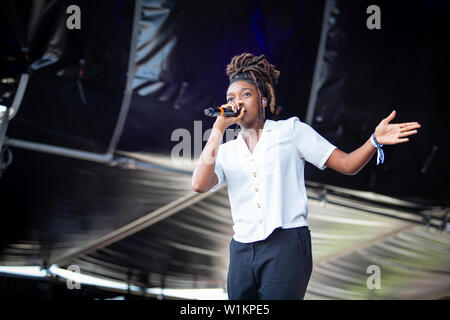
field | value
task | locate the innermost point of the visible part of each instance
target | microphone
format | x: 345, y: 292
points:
x: 219, y: 111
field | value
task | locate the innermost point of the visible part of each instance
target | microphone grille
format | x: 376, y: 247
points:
x: 209, y: 112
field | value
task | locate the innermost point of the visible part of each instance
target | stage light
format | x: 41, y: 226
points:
x: 8, y: 80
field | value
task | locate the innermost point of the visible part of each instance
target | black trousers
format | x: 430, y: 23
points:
x: 277, y: 268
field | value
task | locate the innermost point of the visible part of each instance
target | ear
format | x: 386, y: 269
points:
x: 264, y: 101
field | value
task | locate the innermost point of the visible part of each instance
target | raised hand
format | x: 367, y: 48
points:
x: 393, y: 133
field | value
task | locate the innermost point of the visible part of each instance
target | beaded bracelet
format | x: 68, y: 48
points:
x: 380, y: 153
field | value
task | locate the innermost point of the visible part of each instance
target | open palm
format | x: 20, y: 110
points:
x: 393, y: 133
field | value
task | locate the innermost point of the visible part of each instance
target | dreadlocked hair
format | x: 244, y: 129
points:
x: 259, y: 70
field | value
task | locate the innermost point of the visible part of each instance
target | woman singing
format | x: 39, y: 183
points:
x: 270, y: 252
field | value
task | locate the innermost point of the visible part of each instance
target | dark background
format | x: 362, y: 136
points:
x: 56, y: 204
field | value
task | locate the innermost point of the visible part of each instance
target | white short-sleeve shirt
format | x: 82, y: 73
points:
x: 266, y: 188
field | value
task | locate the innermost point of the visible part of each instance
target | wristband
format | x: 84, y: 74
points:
x: 380, y: 153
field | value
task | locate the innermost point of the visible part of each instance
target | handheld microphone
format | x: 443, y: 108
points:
x: 219, y: 111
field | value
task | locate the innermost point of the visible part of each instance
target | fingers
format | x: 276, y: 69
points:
x: 235, y: 106
x: 402, y: 140
x: 409, y: 129
x: 390, y: 117
x: 239, y: 117
x: 405, y: 134
x: 231, y: 106
x: 409, y: 125
x: 408, y: 133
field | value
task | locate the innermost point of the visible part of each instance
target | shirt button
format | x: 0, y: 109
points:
x: 260, y: 221
x: 254, y: 174
x: 256, y: 189
x: 259, y: 206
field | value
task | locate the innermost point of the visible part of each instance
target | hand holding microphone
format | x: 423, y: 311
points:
x: 227, y: 114
x: 226, y: 110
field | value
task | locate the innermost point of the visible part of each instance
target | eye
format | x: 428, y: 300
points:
x: 246, y: 94
x: 229, y: 99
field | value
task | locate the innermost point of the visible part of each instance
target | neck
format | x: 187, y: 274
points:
x: 253, y: 129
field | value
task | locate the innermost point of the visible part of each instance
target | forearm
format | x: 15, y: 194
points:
x: 357, y: 159
x: 204, y: 172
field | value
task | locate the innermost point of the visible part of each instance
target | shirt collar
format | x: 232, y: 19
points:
x: 268, y: 126
x: 240, y: 143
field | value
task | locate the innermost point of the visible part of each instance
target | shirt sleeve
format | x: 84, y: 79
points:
x: 218, y: 169
x: 312, y: 146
